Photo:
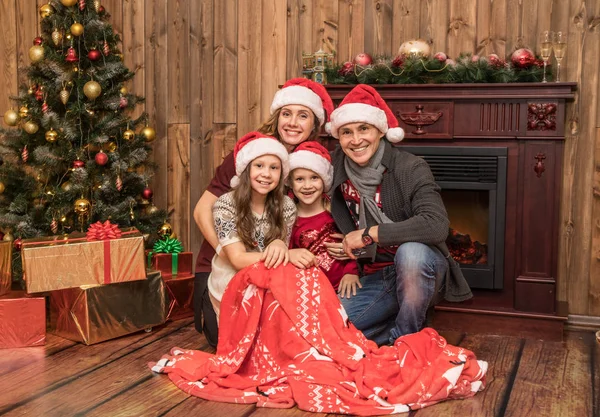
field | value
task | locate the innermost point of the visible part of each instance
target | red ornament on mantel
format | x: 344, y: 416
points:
x: 363, y: 59
x: 522, y: 58
x: 147, y: 193
x: 101, y: 158
x: 347, y: 68
x: 94, y: 55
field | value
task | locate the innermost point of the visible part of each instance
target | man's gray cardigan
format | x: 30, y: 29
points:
x: 411, y: 199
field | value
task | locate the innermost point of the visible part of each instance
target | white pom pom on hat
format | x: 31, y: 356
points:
x: 255, y: 144
x: 364, y: 104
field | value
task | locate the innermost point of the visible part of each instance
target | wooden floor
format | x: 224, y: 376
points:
x: 526, y: 378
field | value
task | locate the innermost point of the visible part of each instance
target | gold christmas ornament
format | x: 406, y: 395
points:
x: 46, y: 10
x: 82, y: 206
x: 51, y: 135
x: 8, y: 237
x: 77, y: 29
x: 165, y: 230
x: 111, y: 146
x: 36, y: 53
x: 11, y: 117
x: 2, y: 187
x: 152, y: 209
x: 149, y: 134
x: 30, y: 91
x: 123, y: 90
x: 97, y: 6
x: 68, y: 3
x: 415, y: 48
x: 92, y: 89
x: 64, y: 96
x: 128, y: 134
x: 30, y: 127
x: 23, y: 112
x: 66, y: 186
x: 57, y: 37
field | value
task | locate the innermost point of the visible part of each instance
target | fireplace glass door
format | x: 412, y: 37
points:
x: 473, y: 183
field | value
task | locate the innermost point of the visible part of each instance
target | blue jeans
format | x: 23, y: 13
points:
x: 393, y: 301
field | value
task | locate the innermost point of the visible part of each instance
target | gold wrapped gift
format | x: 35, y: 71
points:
x: 5, y: 269
x: 93, y: 314
x: 55, y: 262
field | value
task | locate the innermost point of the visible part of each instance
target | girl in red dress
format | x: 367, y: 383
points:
x: 310, y: 178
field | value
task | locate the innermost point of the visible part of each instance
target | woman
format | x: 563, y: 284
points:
x: 298, y: 111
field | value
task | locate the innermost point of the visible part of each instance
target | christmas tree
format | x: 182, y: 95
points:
x: 71, y: 155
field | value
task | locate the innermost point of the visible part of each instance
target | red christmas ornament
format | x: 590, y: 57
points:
x: 101, y: 10
x: 398, y: 61
x: 147, y: 193
x: 441, y: 56
x: 347, y: 68
x: 54, y: 226
x: 101, y: 158
x: 119, y: 183
x: 81, y: 5
x: 18, y: 243
x: 71, y: 55
x: 106, y: 48
x: 94, y: 55
x: 45, y: 107
x: 37, y: 40
x: 363, y: 59
x: 78, y: 164
x: 25, y: 154
x: 522, y: 58
x: 39, y: 94
x: 123, y: 102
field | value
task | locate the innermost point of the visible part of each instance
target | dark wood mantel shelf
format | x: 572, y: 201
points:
x: 528, y: 120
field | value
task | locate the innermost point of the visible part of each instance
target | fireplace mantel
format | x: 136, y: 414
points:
x: 528, y: 120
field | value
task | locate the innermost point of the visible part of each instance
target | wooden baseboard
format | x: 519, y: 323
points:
x: 577, y: 322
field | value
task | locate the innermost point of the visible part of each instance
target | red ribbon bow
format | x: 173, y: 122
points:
x: 103, y: 231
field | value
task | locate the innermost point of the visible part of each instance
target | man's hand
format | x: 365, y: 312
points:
x: 348, y: 284
x: 352, y: 241
x: 302, y: 258
x: 275, y: 254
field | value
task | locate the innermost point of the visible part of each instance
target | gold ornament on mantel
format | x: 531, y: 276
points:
x: 92, y: 89
x: 11, y: 117
x: 165, y: 230
x: 415, y: 48
x: 46, y: 10
x: 36, y: 53
x: 68, y: 3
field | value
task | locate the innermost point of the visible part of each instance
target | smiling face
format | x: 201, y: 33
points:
x: 360, y: 141
x: 265, y: 174
x: 307, y: 186
x: 295, y: 125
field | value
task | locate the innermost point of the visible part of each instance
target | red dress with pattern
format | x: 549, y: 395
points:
x: 310, y: 233
x: 285, y: 340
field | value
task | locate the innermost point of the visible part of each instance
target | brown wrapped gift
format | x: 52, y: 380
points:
x: 164, y: 263
x: 181, y: 291
x: 55, y: 263
x: 93, y: 314
x: 5, y: 269
x: 22, y: 320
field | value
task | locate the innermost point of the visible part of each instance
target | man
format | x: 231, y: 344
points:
x: 388, y: 206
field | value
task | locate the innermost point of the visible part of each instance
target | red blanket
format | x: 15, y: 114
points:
x: 285, y: 340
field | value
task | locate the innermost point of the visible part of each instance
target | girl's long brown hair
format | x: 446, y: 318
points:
x: 242, y: 197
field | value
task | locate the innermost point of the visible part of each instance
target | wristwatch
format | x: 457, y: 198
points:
x: 366, y: 238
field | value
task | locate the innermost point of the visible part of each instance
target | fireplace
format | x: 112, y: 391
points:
x: 473, y: 183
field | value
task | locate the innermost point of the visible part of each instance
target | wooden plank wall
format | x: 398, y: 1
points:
x: 209, y: 69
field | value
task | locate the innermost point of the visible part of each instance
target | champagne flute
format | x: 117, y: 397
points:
x: 546, y: 49
x: 559, y: 44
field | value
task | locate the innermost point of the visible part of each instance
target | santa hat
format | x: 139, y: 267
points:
x: 306, y: 93
x: 255, y: 144
x: 364, y: 104
x: 311, y: 155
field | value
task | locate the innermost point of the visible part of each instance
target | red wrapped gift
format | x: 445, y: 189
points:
x: 164, y: 262
x: 22, y: 320
x: 5, y: 269
x: 181, y: 292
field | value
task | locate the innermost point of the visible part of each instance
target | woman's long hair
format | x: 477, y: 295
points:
x: 269, y: 127
x: 242, y: 197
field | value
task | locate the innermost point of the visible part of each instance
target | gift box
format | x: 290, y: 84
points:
x: 60, y: 262
x: 5, y: 266
x: 93, y: 314
x: 22, y: 320
x: 181, y: 292
x: 168, y: 257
